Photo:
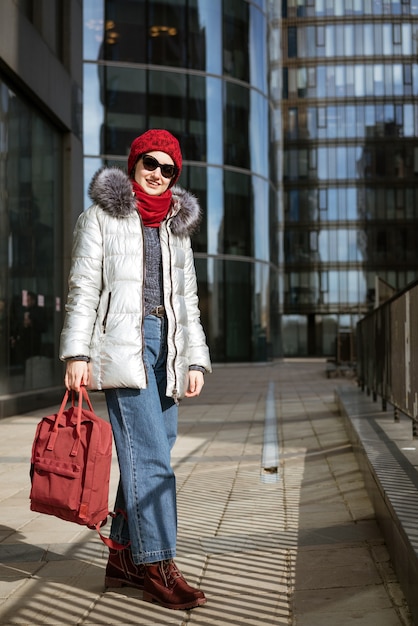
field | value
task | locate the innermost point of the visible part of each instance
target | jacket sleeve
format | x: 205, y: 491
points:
x: 84, y: 286
x: 198, y: 349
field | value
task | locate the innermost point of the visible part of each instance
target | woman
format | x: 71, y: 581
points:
x: 132, y: 328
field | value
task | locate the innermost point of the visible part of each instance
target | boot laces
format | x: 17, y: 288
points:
x: 171, y: 570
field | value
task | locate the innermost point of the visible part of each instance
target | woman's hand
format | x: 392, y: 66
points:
x: 196, y: 382
x: 76, y: 375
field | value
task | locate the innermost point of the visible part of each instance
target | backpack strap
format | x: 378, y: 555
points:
x: 111, y: 543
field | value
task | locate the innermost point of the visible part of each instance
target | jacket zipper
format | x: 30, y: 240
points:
x: 175, y: 390
x: 107, y: 312
x: 143, y: 298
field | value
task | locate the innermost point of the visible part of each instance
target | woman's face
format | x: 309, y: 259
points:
x: 152, y: 181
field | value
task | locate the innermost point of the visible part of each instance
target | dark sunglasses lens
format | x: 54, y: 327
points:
x: 151, y: 164
x: 167, y: 171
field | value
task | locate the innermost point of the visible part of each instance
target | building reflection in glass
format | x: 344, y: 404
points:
x: 350, y: 80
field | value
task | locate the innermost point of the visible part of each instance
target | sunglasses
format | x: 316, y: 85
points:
x: 151, y: 164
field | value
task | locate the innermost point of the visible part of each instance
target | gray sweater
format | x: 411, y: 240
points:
x: 153, y: 290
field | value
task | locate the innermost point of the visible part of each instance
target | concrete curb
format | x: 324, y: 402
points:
x: 391, y: 480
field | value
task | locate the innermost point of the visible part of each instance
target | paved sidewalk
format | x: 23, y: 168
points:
x: 302, y: 550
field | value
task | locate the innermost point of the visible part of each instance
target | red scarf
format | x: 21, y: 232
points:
x: 152, y: 209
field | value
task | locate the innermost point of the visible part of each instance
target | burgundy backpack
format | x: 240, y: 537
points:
x: 70, y: 465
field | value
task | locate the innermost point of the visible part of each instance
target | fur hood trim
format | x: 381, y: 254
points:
x: 111, y: 189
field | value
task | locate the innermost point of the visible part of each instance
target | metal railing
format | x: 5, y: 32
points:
x: 387, y: 353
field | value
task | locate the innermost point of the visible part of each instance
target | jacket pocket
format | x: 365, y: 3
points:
x: 106, y: 313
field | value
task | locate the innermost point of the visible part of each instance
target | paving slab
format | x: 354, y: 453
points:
x: 297, y: 546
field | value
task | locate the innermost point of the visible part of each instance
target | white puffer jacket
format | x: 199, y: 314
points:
x: 105, y: 307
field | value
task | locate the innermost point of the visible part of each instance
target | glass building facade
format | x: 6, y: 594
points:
x: 40, y: 192
x: 30, y: 245
x: 350, y: 128
x: 199, y: 69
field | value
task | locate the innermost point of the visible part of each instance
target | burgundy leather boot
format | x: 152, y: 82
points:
x: 121, y: 571
x: 164, y: 584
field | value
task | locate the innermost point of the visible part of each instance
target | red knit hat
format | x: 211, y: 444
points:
x: 159, y: 140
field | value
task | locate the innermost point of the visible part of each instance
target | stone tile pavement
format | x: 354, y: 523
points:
x: 300, y: 547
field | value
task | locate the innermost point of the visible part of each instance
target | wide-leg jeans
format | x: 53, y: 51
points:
x: 144, y: 423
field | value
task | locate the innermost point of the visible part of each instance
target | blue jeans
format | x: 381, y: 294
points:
x: 144, y: 423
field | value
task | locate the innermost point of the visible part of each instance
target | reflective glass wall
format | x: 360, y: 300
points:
x: 350, y: 117
x: 200, y: 70
x: 30, y: 246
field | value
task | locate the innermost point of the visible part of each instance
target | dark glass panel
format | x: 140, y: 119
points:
x: 236, y: 39
x: 237, y: 113
x: 156, y: 32
x: 292, y: 46
x: 126, y: 32
x: 138, y: 99
x: 195, y: 180
x: 238, y: 235
x: 30, y: 246
x: 239, y: 280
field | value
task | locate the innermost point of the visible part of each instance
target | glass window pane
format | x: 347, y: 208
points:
x: 214, y: 130
x: 93, y: 31
x: 93, y: 110
x: 215, y: 209
x: 260, y: 212
x: 311, y: 41
x: 350, y: 126
x: 322, y: 163
x: 292, y: 47
x: 238, y: 215
x: 258, y: 58
x: 126, y: 32
x: 352, y: 203
x: 349, y: 80
x: 259, y: 133
x: 378, y: 40
x: 330, y: 41
x: 379, y: 86
x: 237, y: 114
x: 339, y: 7
x: 397, y: 79
x: 301, y: 42
x: 387, y: 39
x: 323, y: 243
x: 407, y: 39
x: 408, y: 125
x: 123, y: 95
x: 210, y: 26
x: 359, y: 80
x: 311, y: 122
x: 358, y: 33
x: 368, y: 79
x: 236, y: 39
x: 388, y: 80
x: 340, y: 81
x: 368, y: 39
x: 321, y: 81
x: 348, y: 40
x: 330, y: 71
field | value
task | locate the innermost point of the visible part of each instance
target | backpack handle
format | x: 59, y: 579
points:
x: 82, y: 395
